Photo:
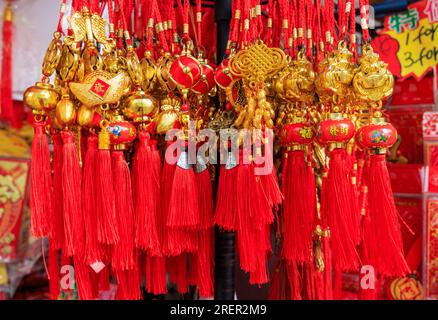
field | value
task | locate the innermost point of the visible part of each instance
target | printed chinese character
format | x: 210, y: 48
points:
x: 334, y: 131
x: 432, y: 10
x: 344, y: 130
x: 408, y: 19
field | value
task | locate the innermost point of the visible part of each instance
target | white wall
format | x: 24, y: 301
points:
x: 34, y: 22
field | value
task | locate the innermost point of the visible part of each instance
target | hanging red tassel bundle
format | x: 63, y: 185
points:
x: 381, y: 230
x: 225, y: 212
x: 6, y: 104
x: 57, y: 221
x: 123, y: 255
x: 83, y: 279
x: 41, y: 182
x: 54, y: 284
x: 183, y: 202
x: 298, y: 181
x: 72, y: 195
x: 156, y: 282
x: 107, y: 231
x: 146, y: 191
x: 93, y: 251
x: 339, y: 196
x: 203, y: 258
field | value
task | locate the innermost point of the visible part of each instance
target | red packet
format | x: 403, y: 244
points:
x: 431, y: 246
x: 13, y: 183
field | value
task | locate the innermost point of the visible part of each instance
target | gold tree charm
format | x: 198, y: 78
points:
x: 257, y: 62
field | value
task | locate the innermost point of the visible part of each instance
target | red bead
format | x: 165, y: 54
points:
x: 185, y: 72
x: 121, y: 132
x: 376, y: 135
x: 296, y: 134
x: 185, y: 107
x: 335, y: 130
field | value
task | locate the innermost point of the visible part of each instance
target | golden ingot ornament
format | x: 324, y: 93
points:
x: 100, y: 87
x: 372, y: 82
x: 257, y: 62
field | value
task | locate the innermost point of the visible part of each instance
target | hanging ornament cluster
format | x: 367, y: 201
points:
x: 297, y: 63
x: 104, y: 198
x: 121, y: 203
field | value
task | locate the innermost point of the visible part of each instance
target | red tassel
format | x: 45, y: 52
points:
x: 156, y: 275
x: 177, y: 268
x: 204, y: 260
x: 183, y: 205
x: 293, y: 275
x: 128, y: 285
x: 54, y: 283
x: 226, y: 200
x: 178, y: 239
x: 341, y: 214
x: 107, y: 231
x: 72, y: 204
x: 328, y: 282
x: 123, y: 257
x: 41, y: 182
x: 205, y: 199
x: 57, y: 225
x: 277, y: 285
x: 6, y: 103
x: 83, y: 280
x: 269, y: 180
x: 382, y: 237
x: 298, y: 213
x: 146, y: 192
x: 92, y: 247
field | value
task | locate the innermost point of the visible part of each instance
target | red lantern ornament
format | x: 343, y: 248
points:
x: 206, y: 82
x: 121, y: 132
x: 185, y: 71
x: 336, y: 130
x: 223, y: 75
x: 296, y: 134
x: 378, y: 135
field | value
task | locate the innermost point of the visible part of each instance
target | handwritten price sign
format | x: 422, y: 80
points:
x: 409, y: 42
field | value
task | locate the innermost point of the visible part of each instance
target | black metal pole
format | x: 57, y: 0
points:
x: 224, y: 286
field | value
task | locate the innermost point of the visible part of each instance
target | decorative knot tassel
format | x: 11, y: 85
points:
x: 183, y: 205
x: 297, y: 210
x: 92, y: 247
x: 72, y: 203
x: 123, y: 257
x: 341, y: 213
x: 57, y: 225
x: 146, y: 191
x: 382, y: 236
x: 40, y: 183
x: 107, y: 231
